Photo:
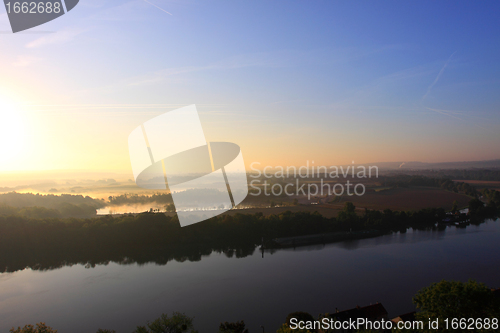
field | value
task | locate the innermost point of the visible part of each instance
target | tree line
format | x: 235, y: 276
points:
x: 417, y: 180
x: 31, y: 205
x: 486, y: 174
x: 49, y: 243
x: 67, y: 205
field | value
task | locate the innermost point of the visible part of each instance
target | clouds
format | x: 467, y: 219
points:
x: 261, y: 59
x: 449, y: 113
x: 60, y: 37
x: 281, y: 58
x: 438, y: 76
x: 152, y: 4
x: 25, y: 61
x: 123, y: 11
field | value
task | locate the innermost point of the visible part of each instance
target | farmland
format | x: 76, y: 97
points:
x: 405, y: 198
x: 480, y: 184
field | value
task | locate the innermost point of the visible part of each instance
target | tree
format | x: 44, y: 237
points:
x: 178, y: 323
x: 170, y: 208
x: 40, y: 328
x: 349, y: 208
x: 237, y: 327
x: 454, y: 207
x: 475, y: 206
x: 348, y: 215
x: 454, y: 299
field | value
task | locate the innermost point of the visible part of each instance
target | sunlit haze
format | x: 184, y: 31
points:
x: 290, y: 81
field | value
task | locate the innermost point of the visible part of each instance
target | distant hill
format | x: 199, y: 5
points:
x: 413, y: 165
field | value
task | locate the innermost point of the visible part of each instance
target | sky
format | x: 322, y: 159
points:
x: 289, y: 81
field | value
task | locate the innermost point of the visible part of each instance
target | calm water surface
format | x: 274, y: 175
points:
x: 262, y: 291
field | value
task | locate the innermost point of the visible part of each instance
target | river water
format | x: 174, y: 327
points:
x: 260, y: 290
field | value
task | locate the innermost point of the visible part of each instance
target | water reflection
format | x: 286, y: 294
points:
x: 122, y: 290
x: 126, y: 255
x: 411, y: 236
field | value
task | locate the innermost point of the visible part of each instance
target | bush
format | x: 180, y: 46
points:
x: 237, y: 327
x: 178, y: 323
x: 40, y: 328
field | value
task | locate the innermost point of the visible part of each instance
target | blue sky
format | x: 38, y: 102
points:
x: 289, y: 81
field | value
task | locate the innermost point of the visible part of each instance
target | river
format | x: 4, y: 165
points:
x: 259, y: 290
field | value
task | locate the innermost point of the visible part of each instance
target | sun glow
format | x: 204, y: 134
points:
x: 12, y: 133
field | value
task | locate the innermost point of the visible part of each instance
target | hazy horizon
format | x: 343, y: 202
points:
x: 102, y: 174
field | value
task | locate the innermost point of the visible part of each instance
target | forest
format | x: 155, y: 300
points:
x: 49, y: 243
